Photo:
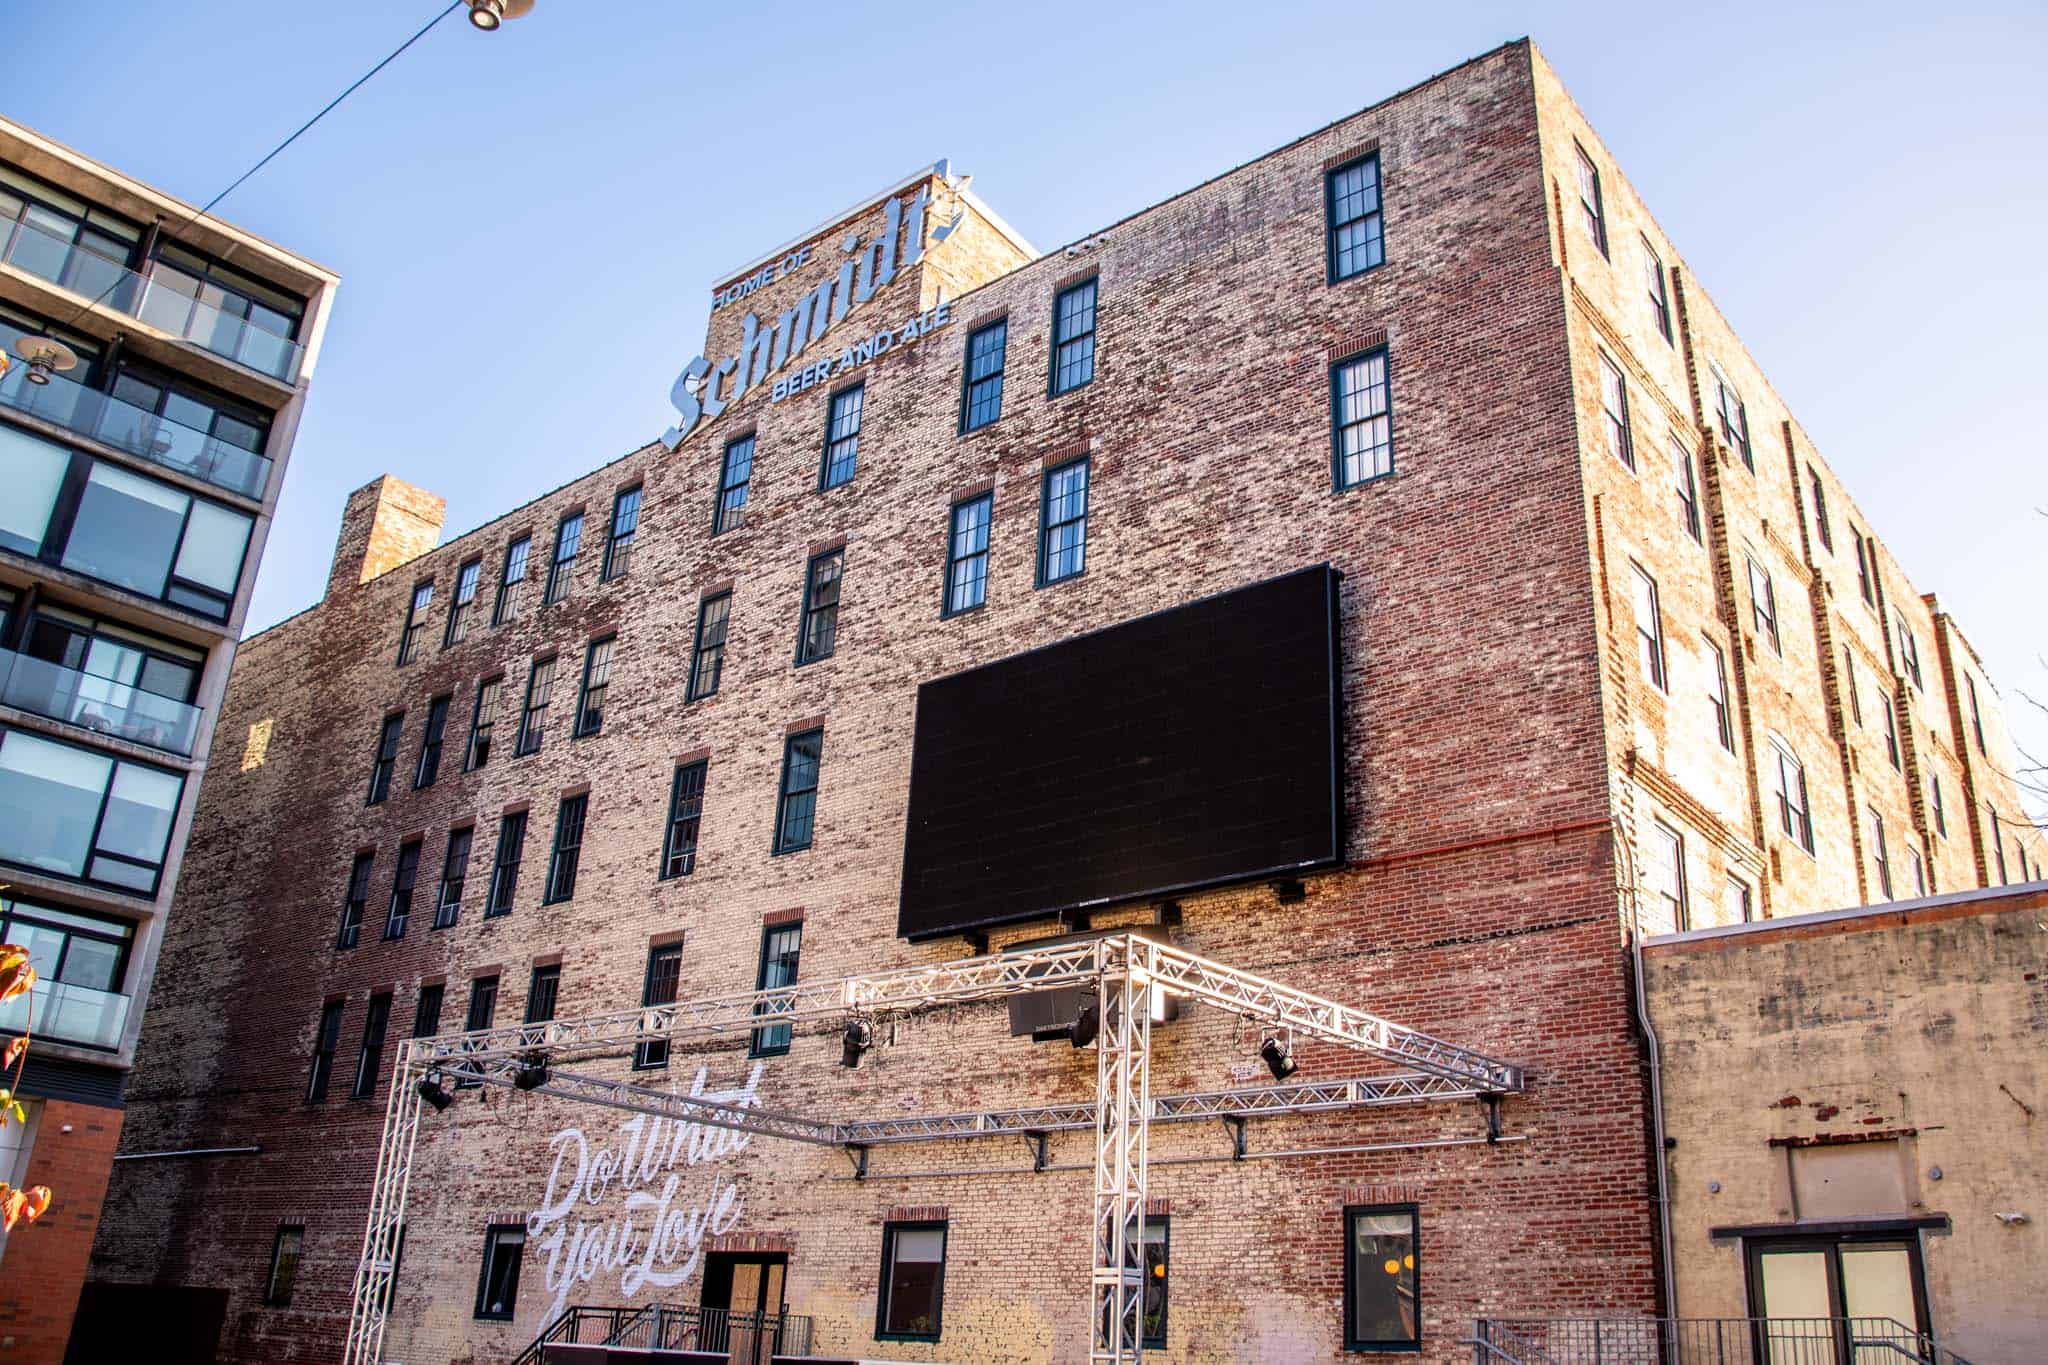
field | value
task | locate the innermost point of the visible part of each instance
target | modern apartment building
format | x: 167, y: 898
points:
x: 140, y: 464
x: 810, y: 687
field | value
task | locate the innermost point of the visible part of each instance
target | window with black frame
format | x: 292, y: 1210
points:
x: 967, y: 535
x: 562, y: 568
x: 1763, y: 604
x: 402, y: 881
x: 597, y: 677
x: 505, y: 865
x: 1660, y: 293
x: 1382, y: 1279
x: 1362, y: 427
x: 685, y: 817
x: 483, y: 1007
x: 1157, y: 1239
x: 533, y: 717
x: 370, y: 1056
x: 83, y: 815
x: 482, y: 724
x: 326, y: 1038
x: 1590, y: 201
x: 173, y: 422
x: 664, y: 981
x: 1063, y: 523
x: 781, y: 946
x: 735, y: 475
x: 1688, y: 487
x: 356, y: 901
x: 820, y: 632
x: 511, y: 580
x: 429, y: 767
x: 707, y: 658
x: 48, y: 233
x: 796, y: 809
x: 981, y: 393
x: 426, y: 1014
x: 568, y: 848
x: 1351, y: 205
x: 842, y: 437
x: 464, y: 604
x: 497, y: 1291
x: 285, y: 1248
x: 625, y: 532
x: 541, y: 992
x: 385, y: 761
x: 1073, y: 337
x: 913, y: 1282
x: 454, y: 876
x: 108, y: 677
x: 415, y: 622
x: 81, y: 964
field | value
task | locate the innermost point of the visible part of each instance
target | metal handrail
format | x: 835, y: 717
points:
x: 1703, y: 1341
x: 672, y: 1327
x: 137, y: 432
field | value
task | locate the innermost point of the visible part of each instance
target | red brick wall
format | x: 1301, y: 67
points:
x: 44, y: 1266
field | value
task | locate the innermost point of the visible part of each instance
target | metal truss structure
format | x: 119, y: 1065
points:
x: 1127, y: 973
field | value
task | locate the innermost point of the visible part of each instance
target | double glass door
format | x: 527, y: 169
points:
x: 1838, y: 1300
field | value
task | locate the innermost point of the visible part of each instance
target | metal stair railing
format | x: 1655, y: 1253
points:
x: 675, y: 1327
x: 1704, y: 1341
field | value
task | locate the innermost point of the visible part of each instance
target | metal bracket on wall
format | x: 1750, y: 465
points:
x: 1491, y: 1099
x: 1235, y: 1123
x: 858, y: 1155
x: 1036, y: 1140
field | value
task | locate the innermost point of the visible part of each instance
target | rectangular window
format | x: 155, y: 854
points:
x: 1667, y: 876
x: 735, y: 473
x: 1918, y: 867
x: 464, y: 605
x: 1763, y: 604
x: 1940, y: 814
x: 483, y: 1004
x: 533, y: 717
x: 1351, y: 208
x: 399, y: 910
x: 1614, y: 412
x: 820, y: 630
x: 1649, y: 629
x: 780, y: 948
x: 664, y: 981
x: 1688, y: 488
x: 1717, y: 693
x: 1880, y: 856
x: 1891, y: 729
x: 69, y: 812
x: 1063, y: 523
x: 325, y: 1041
x: 426, y: 1015
x: 1382, y: 1279
x: 1998, y: 843
x: 415, y: 623
x: 1820, y: 509
x: 356, y: 901
x: 386, y: 760
x: 370, y: 1057
x: 1660, y: 296
x: 707, y: 659
x: 497, y: 1292
x: 597, y: 677
x: 967, y: 554
x: 1794, y: 815
x: 562, y: 568
x: 981, y: 378
x: 1590, y: 201
x: 1850, y: 684
x: 284, y: 1265
x: 1361, y: 420
x: 1866, y: 567
x: 1736, y: 905
x: 482, y: 721
x: 541, y: 992
x: 454, y: 876
x: 512, y: 580
x: 429, y: 767
x: 1976, y: 716
x: 505, y: 867
x: 1909, y: 650
x: 796, y: 808
x: 1157, y: 1241
x: 913, y: 1282
x: 1073, y: 337
x: 842, y: 437
x: 685, y: 815
x: 618, y: 546
x: 568, y: 848
x: 1733, y: 414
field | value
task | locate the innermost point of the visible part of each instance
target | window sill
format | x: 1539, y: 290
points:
x: 1376, y: 480
x: 907, y: 1336
x: 1334, y: 281
x: 958, y: 612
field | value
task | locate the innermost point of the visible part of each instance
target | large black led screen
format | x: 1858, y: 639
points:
x: 1189, y: 748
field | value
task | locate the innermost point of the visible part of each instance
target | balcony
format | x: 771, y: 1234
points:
x: 107, y: 419
x: 158, y: 301
x: 77, y: 1015
x: 98, y: 704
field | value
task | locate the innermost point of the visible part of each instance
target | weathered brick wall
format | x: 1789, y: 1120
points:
x: 45, y: 1261
x: 1926, y: 1026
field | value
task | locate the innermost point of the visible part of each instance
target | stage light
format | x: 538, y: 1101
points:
x: 487, y: 15
x: 1087, y: 1023
x: 532, y: 1073
x: 1279, y: 1058
x: 431, y: 1091
x: 859, y: 1038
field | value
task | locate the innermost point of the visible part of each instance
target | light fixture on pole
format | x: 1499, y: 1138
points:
x: 1279, y: 1058
x: 431, y: 1091
x: 45, y: 356
x: 487, y: 15
x: 533, y: 1071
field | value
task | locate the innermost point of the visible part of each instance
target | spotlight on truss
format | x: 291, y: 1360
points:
x: 432, y: 1092
x: 860, y: 1036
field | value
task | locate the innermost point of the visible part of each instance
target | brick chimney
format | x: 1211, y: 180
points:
x: 388, y: 522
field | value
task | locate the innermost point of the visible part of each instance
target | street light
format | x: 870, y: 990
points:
x: 487, y: 15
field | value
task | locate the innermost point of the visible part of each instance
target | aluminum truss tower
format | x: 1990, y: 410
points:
x: 1125, y: 971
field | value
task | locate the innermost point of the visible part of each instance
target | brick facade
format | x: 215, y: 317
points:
x: 1493, y: 730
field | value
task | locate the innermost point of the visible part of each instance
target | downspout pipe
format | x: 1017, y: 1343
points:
x: 1633, y: 890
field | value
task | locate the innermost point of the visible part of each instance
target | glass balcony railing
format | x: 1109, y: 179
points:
x: 69, y: 1014
x: 98, y: 704
x: 84, y: 271
x: 122, y: 425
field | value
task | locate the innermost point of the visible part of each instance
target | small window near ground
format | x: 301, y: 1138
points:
x: 497, y: 1294
x: 913, y: 1282
x: 284, y: 1265
x: 1382, y: 1280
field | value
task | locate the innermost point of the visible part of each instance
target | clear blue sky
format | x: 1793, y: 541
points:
x: 527, y: 223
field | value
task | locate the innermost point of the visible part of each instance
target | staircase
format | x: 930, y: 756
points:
x: 692, y: 1334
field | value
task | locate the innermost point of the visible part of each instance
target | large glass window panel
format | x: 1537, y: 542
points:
x: 140, y: 809
x: 1384, y: 1308
x: 127, y: 530
x: 214, y: 542
x: 49, y: 802
x: 917, y: 1273
x: 32, y: 472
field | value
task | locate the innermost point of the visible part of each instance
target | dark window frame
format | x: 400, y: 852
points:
x: 597, y: 675
x: 815, y: 611
x: 1724, y: 723
x: 1337, y: 423
x: 543, y: 993
x: 619, y: 543
x: 727, y: 512
x: 384, y: 758
x: 842, y: 442
x: 533, y: 720
x: 355, y: 902
x: 416, y: 609
x: 505, y: 606
x: 1819, y: 492
x: 504, y: 870
x: 785, y: 794
x: 1660, y: 293
x: 454, y: 875
x: 482, y: 1011
x: 987, y: 381
x: 1046, y: 526
x: 1352, y: 1212
x: 1621, y: 438
x: 567, y: 855
x: 468, y: 581
x: 492, y: 1241
x: 950, y: 603
x: 427, y: 768
x: 687, y: 786
x: 483, y: 722
x: 1150, y: 1340
x: 427, y: 1007
x: 273, y: 1295
x: 1331, y: 226
x: 1795, y: 818
x: 561, y: 577
x: 1650, y: 635
x: 890, y: 1230
x: 1763, y: 607
x: 1594, y: 209
x: 694, y: 689
x: 97, y: 851
x: 653, y: 1054
x: 1054, y: 388
x: 1688, y: 486
x: 326, y: 1042
x: 370, y: 1053
x: 405, y: 874
x: 773, y: 1040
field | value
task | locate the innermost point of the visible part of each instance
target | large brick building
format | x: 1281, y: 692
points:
x: 1615, y: 642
